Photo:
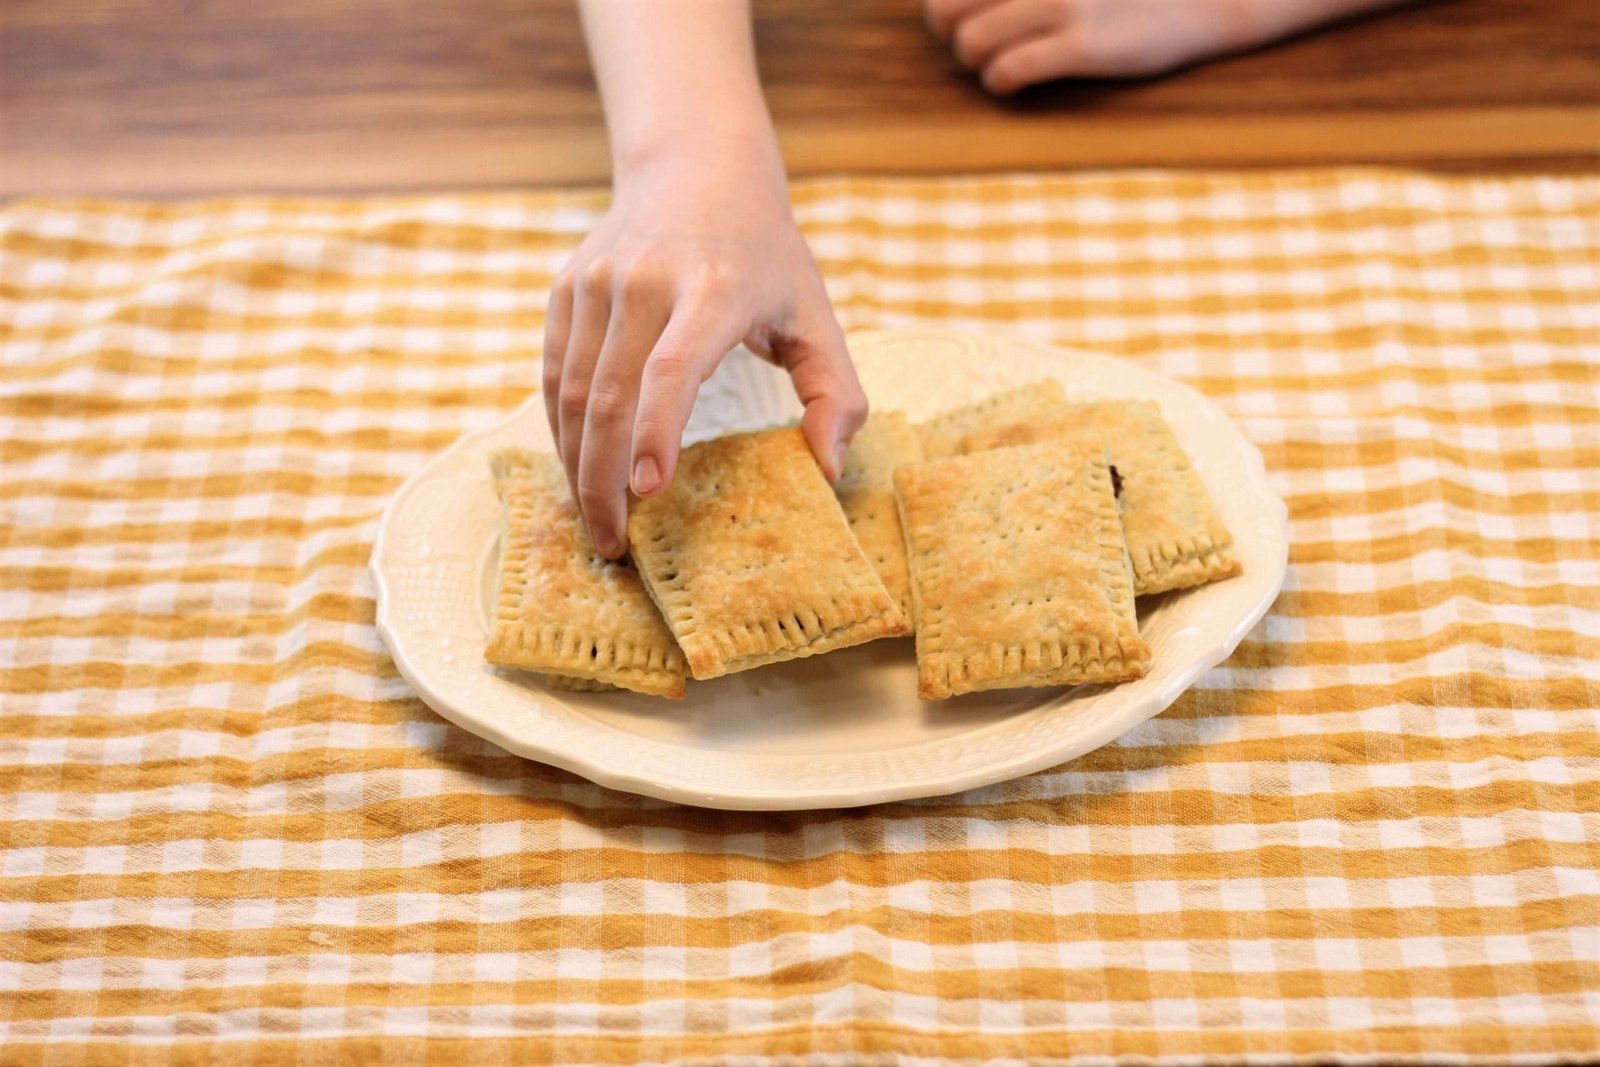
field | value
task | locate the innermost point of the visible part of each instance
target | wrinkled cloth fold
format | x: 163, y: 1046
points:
x: 226, y: 823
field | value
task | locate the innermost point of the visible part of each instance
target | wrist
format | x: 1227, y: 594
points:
x: 746, y: 153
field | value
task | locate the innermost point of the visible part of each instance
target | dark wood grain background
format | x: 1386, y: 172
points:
x: 177, y: 97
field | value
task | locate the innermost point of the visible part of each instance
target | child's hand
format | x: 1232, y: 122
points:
x: 698, y: 252
x: 1017, y: 43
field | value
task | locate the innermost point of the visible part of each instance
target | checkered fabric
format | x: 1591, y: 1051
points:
x: 229, y: 829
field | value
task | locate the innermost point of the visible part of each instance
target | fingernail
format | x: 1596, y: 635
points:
x: 838, y: 458
x: 646, y: 476
x: 606, y: 544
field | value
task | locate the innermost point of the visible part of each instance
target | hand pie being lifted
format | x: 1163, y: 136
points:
x: 561, y: 609
x: 750, y: 558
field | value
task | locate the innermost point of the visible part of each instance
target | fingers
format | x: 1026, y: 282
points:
x: 702, y: 331
x: 825, y: 380
x: 557, y: 325
x: 1035, y: 60
x: 695, y: 341
x: 628, y: 346
x: 985, y: 33
x: 591, y: 313
x: 944, y: 15
x: 604, y: 462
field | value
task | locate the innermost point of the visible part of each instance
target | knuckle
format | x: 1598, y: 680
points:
x: 595, y: 500
x: 607, y: 404
x: 1003, y: 75
x: 573, y: 402
x: 650, y: 421
x: 1072, y: 39
x: 656, y: 415
x: 669, y: 364
x: 551, y: 352
x: 637, y: 280
x: 713, y: 285
x: 969, y: 42
x: 562, y: 286
x: 597, y: 273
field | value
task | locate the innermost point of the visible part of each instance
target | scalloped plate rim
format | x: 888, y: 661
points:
x: 787, y: 799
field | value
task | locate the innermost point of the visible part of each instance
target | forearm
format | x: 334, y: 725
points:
x: 678, y: 78
x: 698, y: 252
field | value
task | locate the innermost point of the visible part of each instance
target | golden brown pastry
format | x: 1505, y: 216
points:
x: 942, y: 434
x: 750, y: 558
x: 866, y: 492
x: 1019, y: 576
x: 562, y: 610
x: 1175, y: 537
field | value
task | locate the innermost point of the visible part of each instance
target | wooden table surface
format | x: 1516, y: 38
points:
x: 179, y: 97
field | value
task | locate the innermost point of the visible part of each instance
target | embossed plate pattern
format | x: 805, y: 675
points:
x: 837, y: 730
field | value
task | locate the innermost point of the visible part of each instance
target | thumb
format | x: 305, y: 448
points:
x: 825, y: 381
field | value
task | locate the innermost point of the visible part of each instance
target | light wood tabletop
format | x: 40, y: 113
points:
x: 186, y: 97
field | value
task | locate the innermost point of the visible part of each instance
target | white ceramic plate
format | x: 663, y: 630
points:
x: 830, y: 731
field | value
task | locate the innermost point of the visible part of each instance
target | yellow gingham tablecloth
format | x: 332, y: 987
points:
x: 228, y: 828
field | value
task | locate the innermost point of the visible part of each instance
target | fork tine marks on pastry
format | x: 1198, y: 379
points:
x: 561, y: 610
x: 1020, y: 576
x: 941, y: 435
x: 1014, y: 533
x: 1175, y: 537
x: 751, y: 560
